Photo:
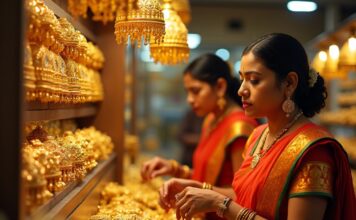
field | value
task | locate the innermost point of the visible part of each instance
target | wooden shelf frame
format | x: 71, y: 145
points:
x: 63, y: 204
x: 42, y: 112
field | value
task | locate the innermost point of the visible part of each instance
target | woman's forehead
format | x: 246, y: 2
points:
x: 252, y: 64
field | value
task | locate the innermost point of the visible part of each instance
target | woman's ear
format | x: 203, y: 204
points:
x: 291, y: 83
x: 221, y: 86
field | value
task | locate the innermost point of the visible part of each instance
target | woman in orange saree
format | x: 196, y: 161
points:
x: 210, y: 160
x: 293, y: 168
x: 306, y: 162
x: 211, y: 90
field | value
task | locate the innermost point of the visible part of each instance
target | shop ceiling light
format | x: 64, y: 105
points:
x: 194, y: 40
x: 319, y: 61
x: 347, y: 60
x: 302, y: 6
x: 223, y: 54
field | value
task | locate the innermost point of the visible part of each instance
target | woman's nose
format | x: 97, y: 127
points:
x: 190, y: 99
x: 242, y: 91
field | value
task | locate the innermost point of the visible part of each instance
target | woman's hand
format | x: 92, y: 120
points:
x: 192, y: 201
x: 156, y: 167
x: 171, y: 188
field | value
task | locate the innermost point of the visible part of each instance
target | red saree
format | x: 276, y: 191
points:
x: 209, y: 159
x: 265, y: 189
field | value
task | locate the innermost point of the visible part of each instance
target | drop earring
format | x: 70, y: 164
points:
x: 288, y: 106
x: 221, y: 103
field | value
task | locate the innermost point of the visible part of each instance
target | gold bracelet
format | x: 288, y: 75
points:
x: 246, y: 214
x: 186, y: 172
x: 242, y: 213
x: 207, y: 186
x: 251, y: 215
x: 175, y: 167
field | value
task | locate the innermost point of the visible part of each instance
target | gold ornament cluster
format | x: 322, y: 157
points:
x: 160, y: 25
x: 53, y: 157
x: 133, y: 200
x: 60, y: 65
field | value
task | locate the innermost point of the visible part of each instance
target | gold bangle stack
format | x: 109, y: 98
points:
x: 246, y: 214
x: 207, y: 186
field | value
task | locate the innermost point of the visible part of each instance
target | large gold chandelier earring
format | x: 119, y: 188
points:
x: 221, y: 103
x: 288, y: 106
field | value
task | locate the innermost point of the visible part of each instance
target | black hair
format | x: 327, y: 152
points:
x: 209, y: 68
x: 282, y: 54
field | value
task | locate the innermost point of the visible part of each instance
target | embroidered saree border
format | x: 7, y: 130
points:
x: 278, y: 180
x: 314, y: 177
x: 214, y: 164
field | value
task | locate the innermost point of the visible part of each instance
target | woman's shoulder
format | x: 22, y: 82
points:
x: 311, y: 132
x: 239, y: 116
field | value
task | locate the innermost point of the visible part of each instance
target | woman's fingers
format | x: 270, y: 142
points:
x: 185, y: 210
x: 160, y: 172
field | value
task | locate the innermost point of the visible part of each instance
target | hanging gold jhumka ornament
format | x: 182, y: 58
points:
x: 139, y: 19
x: 103, y: 10
x: 182, y: 8
x: 78, y: 7
x: 174, y: 48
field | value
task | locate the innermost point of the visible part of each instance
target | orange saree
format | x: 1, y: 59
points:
x: 286, y: 170
x: 210, y: 161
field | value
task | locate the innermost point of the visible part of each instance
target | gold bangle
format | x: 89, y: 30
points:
x: 207, y: 186
x: 175, y: 166
x: 246, y: 215
x: 240, y: 215
x: 186, y: 172
x: 251, y: 215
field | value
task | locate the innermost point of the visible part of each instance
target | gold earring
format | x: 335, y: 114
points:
x: 288, y: 106
x: 221, y: 103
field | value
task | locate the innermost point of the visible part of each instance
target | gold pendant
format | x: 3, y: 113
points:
x: 256, y: 158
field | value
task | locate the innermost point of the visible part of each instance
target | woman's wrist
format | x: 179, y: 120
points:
x: 218, y: 203
x: 179, y: 171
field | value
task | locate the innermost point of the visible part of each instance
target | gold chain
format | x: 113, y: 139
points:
x: 257, y: 157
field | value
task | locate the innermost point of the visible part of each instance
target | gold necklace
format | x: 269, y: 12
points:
x: 257, y: 157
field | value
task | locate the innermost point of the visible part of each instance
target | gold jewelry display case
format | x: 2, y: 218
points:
x: 78, y: 200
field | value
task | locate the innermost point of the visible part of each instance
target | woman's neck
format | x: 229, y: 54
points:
x: 230, y: 106
x: 278, y: 122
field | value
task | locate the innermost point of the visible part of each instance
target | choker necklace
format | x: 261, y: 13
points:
x: 257, y: 157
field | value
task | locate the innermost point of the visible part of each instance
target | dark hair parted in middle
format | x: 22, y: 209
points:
x: 283, y: 54
x: 209, y: 68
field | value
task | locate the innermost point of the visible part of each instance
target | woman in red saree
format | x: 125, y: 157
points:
x: 293, y: 168
x: 211, y: 90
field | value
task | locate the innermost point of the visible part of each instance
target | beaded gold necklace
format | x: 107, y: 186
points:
x: 257, y: 157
